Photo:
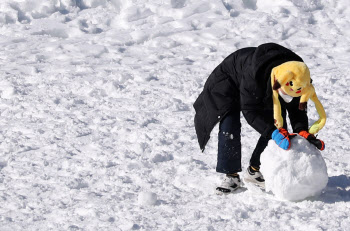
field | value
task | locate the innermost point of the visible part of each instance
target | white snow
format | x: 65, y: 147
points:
x: 296, y: 174
x: 96, y: 109
x: 147, y: 198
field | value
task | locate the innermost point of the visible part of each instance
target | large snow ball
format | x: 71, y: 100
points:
x: 295, y: 174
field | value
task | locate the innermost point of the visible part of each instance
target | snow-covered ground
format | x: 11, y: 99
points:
x: 96, y: 125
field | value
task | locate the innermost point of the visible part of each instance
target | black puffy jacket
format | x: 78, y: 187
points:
x: 242, y: 82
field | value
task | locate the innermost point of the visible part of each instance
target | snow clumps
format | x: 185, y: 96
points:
x: 296, y: 174
x: 147, y: 198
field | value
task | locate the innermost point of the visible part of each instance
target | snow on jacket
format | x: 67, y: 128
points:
x: 242, y: 82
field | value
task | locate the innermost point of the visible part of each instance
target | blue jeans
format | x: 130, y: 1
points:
x: 229, y: 147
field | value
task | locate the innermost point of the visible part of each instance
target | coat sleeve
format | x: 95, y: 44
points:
x: 258, y: 121
x: 253, y: 111
x: 298, y: 118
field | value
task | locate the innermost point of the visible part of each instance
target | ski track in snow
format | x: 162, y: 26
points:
x: 96, y: 125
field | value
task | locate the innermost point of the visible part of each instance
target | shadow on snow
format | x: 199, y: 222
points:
x: 337, y: 190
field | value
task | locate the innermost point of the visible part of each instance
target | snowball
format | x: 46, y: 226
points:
x: 7, y: 91
x: 295, y: 174
x: 162, y: 157
x: 147, y: 198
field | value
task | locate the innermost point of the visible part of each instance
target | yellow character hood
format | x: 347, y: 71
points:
x: 293, y: 78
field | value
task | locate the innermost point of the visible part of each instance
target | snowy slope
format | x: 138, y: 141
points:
x: 96, y: 125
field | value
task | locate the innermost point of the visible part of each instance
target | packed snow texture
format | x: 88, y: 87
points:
x: 96, y: 124
x: 147, y: 198
x: 296, y: 174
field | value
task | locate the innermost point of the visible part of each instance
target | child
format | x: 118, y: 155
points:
x: 263, y: 82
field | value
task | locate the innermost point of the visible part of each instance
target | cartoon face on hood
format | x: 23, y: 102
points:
x: 293, y: 79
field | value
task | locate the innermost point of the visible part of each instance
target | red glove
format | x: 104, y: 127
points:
x: 312, y: 139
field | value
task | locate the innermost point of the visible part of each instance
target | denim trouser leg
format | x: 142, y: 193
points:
x: 229, y: 148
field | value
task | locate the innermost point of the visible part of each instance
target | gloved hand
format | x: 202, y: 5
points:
x: 312, y: 139
x: 282, y: 138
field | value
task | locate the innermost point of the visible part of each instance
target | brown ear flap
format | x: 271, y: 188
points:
x: 276, y: 85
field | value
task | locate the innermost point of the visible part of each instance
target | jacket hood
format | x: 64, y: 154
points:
x: 268, y: 56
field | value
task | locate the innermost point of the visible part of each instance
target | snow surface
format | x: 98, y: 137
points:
x: 96, y: 124
x: 296, y: 174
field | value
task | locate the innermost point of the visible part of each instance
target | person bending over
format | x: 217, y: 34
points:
x: 263, y: 83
